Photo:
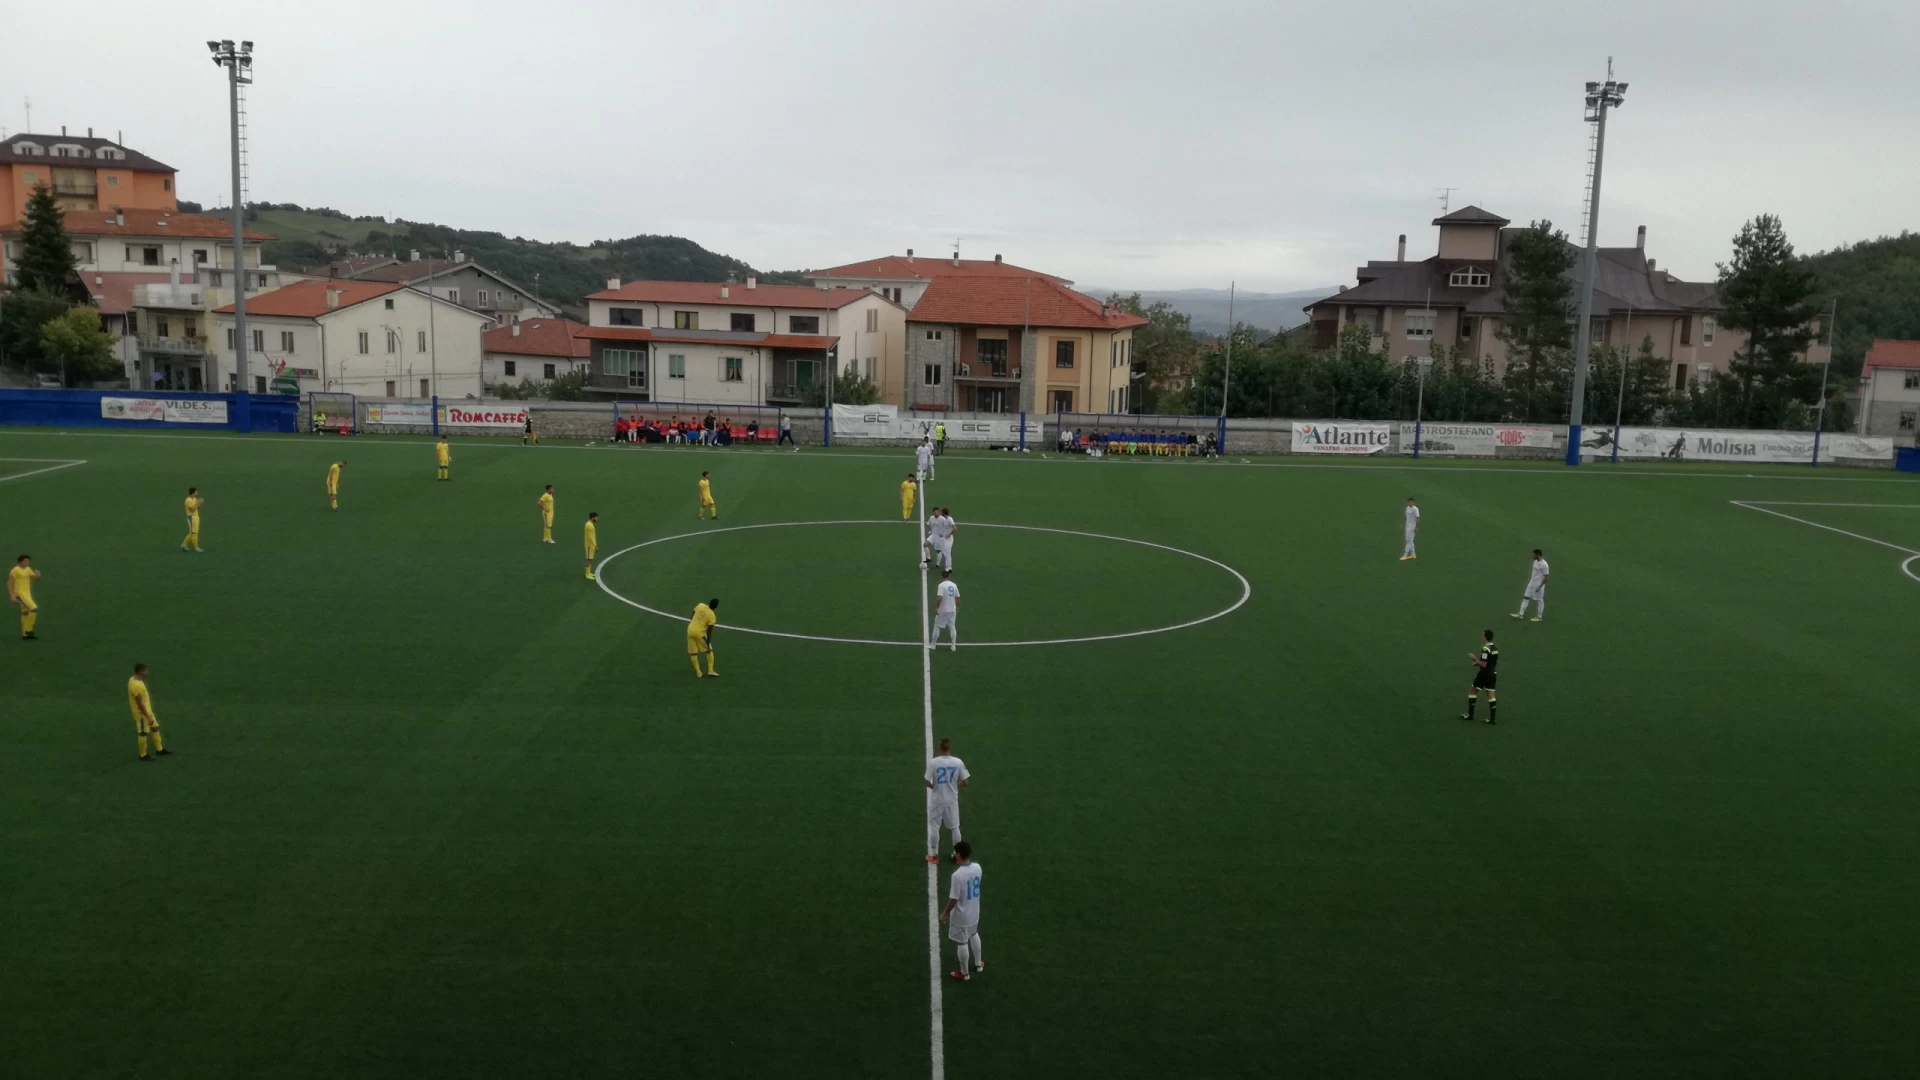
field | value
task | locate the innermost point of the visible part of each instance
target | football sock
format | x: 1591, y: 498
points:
x: 187, y: 541
x: 961, y: 950
x: 157, y: 744
x: 979, y: 958
x: 27, y: 621
x: 546, y: 534
x: 1492, y: 707
x: 1472, y: 703
x: 143, y: 745
x: 335, y: 503
x: 709, y: 663
x: 696, y: 665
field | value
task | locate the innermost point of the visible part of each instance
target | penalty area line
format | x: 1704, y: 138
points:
x: 53, y: 465
x: 1831, y: 529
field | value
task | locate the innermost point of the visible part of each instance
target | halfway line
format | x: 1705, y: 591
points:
x: 938, y: 1021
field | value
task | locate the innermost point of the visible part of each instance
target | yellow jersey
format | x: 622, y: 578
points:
x: 907, y: 488
x: 445, y: 455
x: 20, y: 580
x: 593, y: 538
x: 138, y: 700
x: 546, y: 503
x: 706, y: 490
x: 703, y: 621
x: 333, y: 477
x: 193, y: 505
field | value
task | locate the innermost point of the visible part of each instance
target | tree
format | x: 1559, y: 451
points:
x: 1248, y: 381
x: 75, y: 345
x: 1539, y: 320
x: 1164, y: 352
x: 46, y: 257
x: 1460, y: 389
x: 1767, y: 293
x: 849, y: 388
x: 22, y: 313
x: 1643, y: 397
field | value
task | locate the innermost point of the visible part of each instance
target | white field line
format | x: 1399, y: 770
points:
x: 836, y: 454
x: 1870, y: 506
x: 1829, y: 528
x: 937, y: 1022
x: 53, y: 465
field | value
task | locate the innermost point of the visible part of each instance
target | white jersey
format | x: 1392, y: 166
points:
x: 1539, y: 575
x: 945, y: 773
x: 965, y: 888
x: 1413, y: 518
x: 940, y: 526
x: 924, y: 455
x: 949, y: 594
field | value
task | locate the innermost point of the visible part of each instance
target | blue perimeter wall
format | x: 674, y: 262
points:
x: 81, y: 408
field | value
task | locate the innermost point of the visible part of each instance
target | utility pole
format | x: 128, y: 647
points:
x: 1600, y: 98
x: 1820, y: 418
x: 239, y: 64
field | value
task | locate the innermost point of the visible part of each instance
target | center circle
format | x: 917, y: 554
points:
x: 1246, y: 589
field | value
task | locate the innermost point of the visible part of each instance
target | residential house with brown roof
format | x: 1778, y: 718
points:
x: 1457, y: 298
x: 371, y: 338
x: 1890, y: 390
x: 1005, y: 343
x: 85, y: 173
x: 458, y: 279
x: 904, y: 279
x: 722, y: 343
x: 539, y: 349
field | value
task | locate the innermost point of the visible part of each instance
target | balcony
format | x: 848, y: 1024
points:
x: 988, y: 373
x: 173, y: 346
x: 182, y: 297
x: 83, y: 188
x: 500, y: 303
x: 782, y: 392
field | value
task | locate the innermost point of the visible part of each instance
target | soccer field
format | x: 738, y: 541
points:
x: 440, y: 806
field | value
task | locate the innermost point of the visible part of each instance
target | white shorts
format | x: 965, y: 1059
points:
x: 943, y: 815
x: 1536, y: 592
x: 959, y: 933
x: 945, y: 620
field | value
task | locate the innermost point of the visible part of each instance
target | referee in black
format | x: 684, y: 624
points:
x: 1484, y: 677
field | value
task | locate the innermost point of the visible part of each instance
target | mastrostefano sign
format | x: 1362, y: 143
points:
x: 1340, y: 437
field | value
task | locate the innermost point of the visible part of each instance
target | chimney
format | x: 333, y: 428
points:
x: 996, y: 258
x: 1641, y: 242
x: 63, y: 129
x: 516, y: 329
x: 1649, y: 266
x: 725, y: 292
x: 1402, y: 257
x: 414, y: 255
x: 333, y: 298
x: 752, y: 282
x: 173, y: 271
x: 459, y: 256
x: 119, y: 216
x: 89, y: 133
x: 613, y: 283
x: 909, y: 254
x: 956, y: 258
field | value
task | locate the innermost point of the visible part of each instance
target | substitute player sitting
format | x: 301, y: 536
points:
x: 700, y: 635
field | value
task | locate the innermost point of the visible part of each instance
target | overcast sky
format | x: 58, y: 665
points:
x: 1125, y: 143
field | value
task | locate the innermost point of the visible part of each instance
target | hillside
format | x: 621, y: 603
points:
x: 1878, y: 285
x: 565, y: 272
x: 1270, y: 312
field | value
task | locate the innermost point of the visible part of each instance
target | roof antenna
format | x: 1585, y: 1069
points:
x: 1446, y: 200
x: 27, y: 103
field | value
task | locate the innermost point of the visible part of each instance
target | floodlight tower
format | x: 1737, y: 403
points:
x: 1600, y: 98
x: 238, y: 60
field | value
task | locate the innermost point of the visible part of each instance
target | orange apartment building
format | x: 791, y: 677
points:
x: 85, y: 173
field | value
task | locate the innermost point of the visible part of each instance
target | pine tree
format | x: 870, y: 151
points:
x: 1539, y: 319
x: 1767, y: 293
x: 46, y: 258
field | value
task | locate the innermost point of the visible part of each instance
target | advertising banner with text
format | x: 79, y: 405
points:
x: 1780, y: 447
x: 1472, y: 440
x: 868, y: 422
x: 165, y: 410
x: 400, y: 414
x: 1341, y: 437
x: 498, y: 416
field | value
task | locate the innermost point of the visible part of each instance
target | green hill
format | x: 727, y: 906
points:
x: 1878, y: 284
x: 566, y: 272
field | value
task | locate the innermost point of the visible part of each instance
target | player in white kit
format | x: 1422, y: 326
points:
x: 946, y: 775
x: 962, y: 913
x: 946, y: 612
x: 1536, y: 589
x: 940, y: 537
x: 923, y: 457
x: 1413, y: 529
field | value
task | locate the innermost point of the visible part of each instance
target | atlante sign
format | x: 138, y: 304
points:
x: 1340, y: 437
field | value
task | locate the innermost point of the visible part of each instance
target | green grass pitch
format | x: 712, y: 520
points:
x: 442, y: 807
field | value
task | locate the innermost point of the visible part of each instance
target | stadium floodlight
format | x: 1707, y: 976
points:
x: 239, y: 65
x: 1600, y: 98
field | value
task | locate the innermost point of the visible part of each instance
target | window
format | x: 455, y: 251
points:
x: 873, y: 320
x: 1471, y: 277
x: 199, y: 256
x: 803, y: 324
x: 507, y: 369
x: 1368, y: 317
x: 1679, y: 376
x: 453, y: 295
x: 363, y: 347
x: 426, y: 390
x: 614, y: 361
x: 626, y: 316
x: 1908, y: 418
x: 930, y: 376
x: 1913, y: 380
x: 1113, y: 354
x: 933, y: 335
x: 389, y: 306
x: 732, y: 369
x: 1063, y: 354
x: 33, y: 178
x: 1062, y: 401
x: 162, y: 326
x: 676, y: 366
x: 993, y: 355
x: 259, y: 341
x: 389, y: 387
x: 1686, y: 330
x: 686, y: 320
x: 547, y: 373
x: 1707, y: 327
x: 259, y: 384
x: 229, y: 337
x: 480, y: 294
x: 150, y: 256
x: 740, y: 323
x: 872, y: 363
x: 420, y: 341
x: 286, y: 341
x: 193, y: 328
x: 113, y: 179
x: 617, y: 362
x: 166, y: 183
x: 1467, y: 324
x: 1419, y: 324
x: 393, y: 342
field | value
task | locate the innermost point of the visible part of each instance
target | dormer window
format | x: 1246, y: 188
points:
x: 1470, y: 277
x: 28, y: 148
x: 69, y: 150
x: 112, y: 153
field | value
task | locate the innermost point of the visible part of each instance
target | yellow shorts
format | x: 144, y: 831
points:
x: 141, y: 726
x: 547, y: 520
x: 706, y: 502
x: 590, y: 550
x: 332, y: 489
x: 697, y: 644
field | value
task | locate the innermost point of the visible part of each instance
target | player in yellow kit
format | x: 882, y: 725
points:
x: 444, y: 455
x: 593, y: 541
x: 700, y: 635
x: 907, y: 488
x: 333, y: 484
x: 140, y: 700
x: 545, y: 502
x: 20, y: 581
x: 194, y: 503
x: 706, y: 498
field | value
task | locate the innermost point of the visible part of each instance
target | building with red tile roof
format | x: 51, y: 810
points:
x: 84, y: 173
x: 538, y: 349
x: 1890, y: 390
x: 904, y: 278
x: 376, y: 339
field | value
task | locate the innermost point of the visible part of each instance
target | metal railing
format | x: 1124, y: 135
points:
x: 183, y: 346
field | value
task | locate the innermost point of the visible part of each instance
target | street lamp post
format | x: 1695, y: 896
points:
x: 239, y: 64
x: 1421, y: 364
x: 1600, y: 98
x: 1820, y: 418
